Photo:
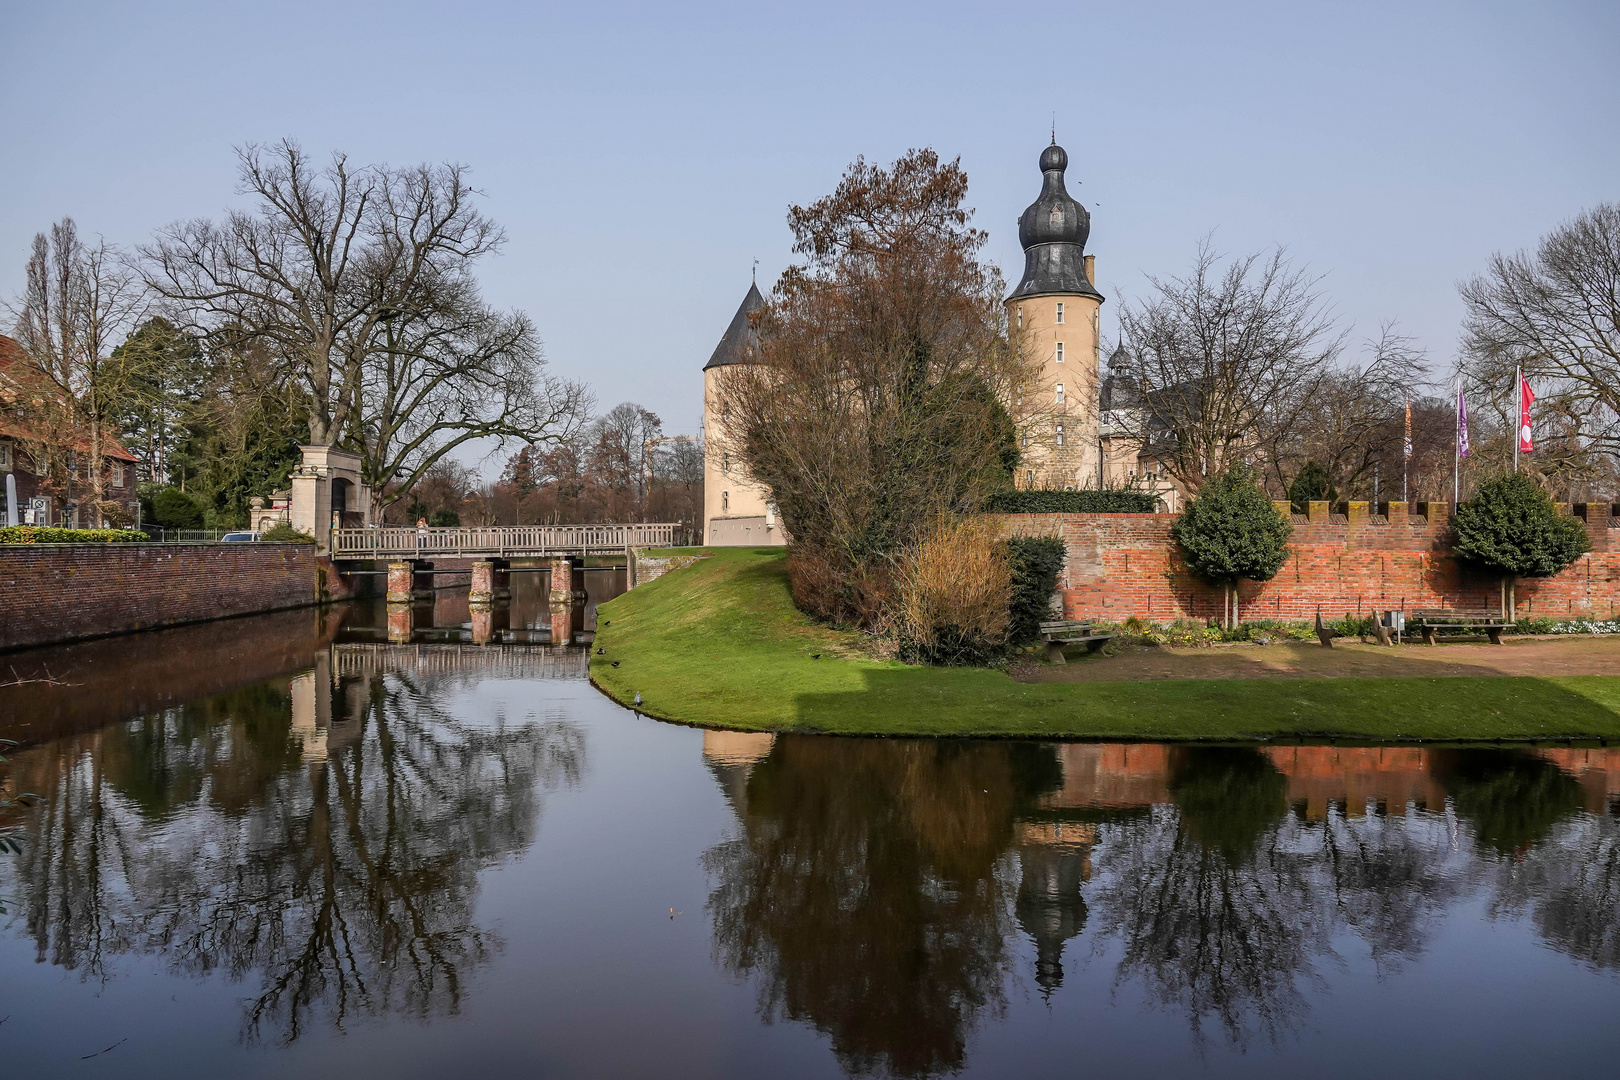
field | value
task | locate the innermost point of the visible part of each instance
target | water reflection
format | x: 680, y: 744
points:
x: 876, y: 886
x: 320, y: 837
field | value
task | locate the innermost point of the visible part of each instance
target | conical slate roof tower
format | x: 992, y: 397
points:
x: 735, y: 510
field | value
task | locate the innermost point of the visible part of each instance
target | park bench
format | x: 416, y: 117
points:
x: 1070, y: 632
x: 1431, y: 619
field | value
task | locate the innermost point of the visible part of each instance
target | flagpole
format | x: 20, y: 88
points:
x: 1518, y: 397
x: 1456, y: 447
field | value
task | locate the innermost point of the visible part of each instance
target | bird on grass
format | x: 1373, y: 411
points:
x: 815, y: 656
x: 638, y: 697
x: 615, y: 663
x: 599, y: 652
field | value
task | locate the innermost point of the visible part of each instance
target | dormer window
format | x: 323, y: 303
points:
x: 1059, y: 396
x: 1060, y: 352
x: 1060, y: 311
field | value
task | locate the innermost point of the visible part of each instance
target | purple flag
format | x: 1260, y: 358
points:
x: 1462, y: 423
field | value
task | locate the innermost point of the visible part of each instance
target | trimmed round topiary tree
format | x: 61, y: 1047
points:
x: 1511, y: 527
x: 1230, y: 530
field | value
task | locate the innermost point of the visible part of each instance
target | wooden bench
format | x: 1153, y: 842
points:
x: 1431, y: 619
x: 1070, y: 632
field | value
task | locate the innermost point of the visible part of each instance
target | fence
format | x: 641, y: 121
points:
x: 497, y: 541
x: 186, y: 536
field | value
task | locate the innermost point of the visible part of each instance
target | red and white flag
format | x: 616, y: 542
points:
x: 1526, y: 445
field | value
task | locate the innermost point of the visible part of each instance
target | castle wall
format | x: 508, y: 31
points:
x: 1120, y: 565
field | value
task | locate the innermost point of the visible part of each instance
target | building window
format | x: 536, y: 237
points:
x: 1060, y: 311
x: 1029, y: 477
x: 725, y: 462
x: 1060, y: 393
x: 1020, y: 316
x: 118, y: 474
x: 5, y: 457
x: 1060, y: 352
x: 1060, y: 434
x: 725, y: 502
x: 1024, y: 439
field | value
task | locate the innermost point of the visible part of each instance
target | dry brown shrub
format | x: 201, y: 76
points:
x: 827, y: 587
x: 953, y: 593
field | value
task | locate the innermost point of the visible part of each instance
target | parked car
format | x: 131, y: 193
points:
x: 238, y: 537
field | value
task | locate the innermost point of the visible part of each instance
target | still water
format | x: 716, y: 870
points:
x: 284, y: 846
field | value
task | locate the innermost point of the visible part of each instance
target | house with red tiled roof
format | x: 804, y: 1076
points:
x: 56, y: 488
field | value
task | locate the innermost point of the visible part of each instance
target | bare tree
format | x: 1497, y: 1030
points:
x: 79, y: 300
x: 360, y: 280
x: 1350, y: 420
x: 1223, y: 359
x: 1556, y: 315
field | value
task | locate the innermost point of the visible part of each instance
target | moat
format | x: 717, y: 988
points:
x: 289, y: 845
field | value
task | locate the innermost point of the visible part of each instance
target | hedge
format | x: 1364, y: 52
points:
x: 1085, y: 501
x: 1036, y: 562
x: 45, y: 534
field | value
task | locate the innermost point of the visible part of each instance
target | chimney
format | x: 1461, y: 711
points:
x: 1091, y: 270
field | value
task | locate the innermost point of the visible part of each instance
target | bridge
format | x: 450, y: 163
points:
x: 497, y: 542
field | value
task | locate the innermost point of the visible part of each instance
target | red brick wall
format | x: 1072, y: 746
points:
x: 64, y: 592
x: 1127, y: 564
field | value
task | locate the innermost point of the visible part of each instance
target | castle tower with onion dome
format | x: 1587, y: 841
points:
x: 1056, y: 309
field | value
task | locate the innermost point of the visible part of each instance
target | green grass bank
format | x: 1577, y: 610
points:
x: 720, y: 644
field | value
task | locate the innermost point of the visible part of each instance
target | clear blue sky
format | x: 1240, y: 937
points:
x: 641, y: 156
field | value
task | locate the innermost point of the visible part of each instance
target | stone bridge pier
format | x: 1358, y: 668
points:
x: 567, y: 598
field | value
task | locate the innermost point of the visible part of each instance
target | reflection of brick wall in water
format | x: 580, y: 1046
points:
x: 1127, y: 564
x: 1388, y: 778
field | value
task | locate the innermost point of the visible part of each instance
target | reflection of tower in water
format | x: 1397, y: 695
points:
x: 1056, y: 860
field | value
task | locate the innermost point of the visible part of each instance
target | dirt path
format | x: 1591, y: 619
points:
x: 1575, y: 656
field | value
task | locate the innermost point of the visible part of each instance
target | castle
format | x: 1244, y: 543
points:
x: 1070, y: 435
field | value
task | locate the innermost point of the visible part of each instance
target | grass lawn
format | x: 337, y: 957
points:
x: 720, y: 644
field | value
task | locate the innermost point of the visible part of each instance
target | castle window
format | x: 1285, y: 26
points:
x: 1060, y: 311
x: 5, y: 457
x: 725, y: 502
x: 1060, y: 434
x: 1024, y: 439
x: 1020, y: 316
x: 725, y: 462
x: 1060, y: 352
x: 1029, y: 477
x: 1059, y: 393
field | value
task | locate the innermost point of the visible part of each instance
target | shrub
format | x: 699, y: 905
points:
x: 45, y: 534
x: 283, y: 533
x: 1230, y: 530
x: 1310, y: 485
x: 952, y: 596
x: 1511, y: 527
x: 1035, y: 562
x: 445, y: 519
x: 1092, y: 501
x: 175, y: 509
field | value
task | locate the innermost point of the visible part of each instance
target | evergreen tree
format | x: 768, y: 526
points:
x: 1230, y: 530
x: 1511, y: 527
x: 1311, y: 484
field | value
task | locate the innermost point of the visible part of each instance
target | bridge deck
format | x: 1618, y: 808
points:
x: 497, y: 541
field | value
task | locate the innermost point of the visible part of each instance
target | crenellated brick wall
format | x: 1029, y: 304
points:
x: 67, y: 592
x: 1349, y: 561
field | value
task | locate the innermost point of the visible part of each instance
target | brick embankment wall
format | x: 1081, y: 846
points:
x: 1120, y: 565
x: 67, y: 592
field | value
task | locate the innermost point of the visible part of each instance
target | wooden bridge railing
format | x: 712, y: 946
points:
x: 496, y: 541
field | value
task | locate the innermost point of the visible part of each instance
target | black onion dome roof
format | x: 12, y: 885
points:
x: 1053, y: 232
x: 741, y: 340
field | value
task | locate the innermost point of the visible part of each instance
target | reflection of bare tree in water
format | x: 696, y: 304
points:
x: 869, y: 892
x: 1226, y: 905
x: 344, y: 878
x: 1570, y: 885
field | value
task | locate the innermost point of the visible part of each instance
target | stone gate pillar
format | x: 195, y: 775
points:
x: 481, y: 596
x: 562, y: 600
